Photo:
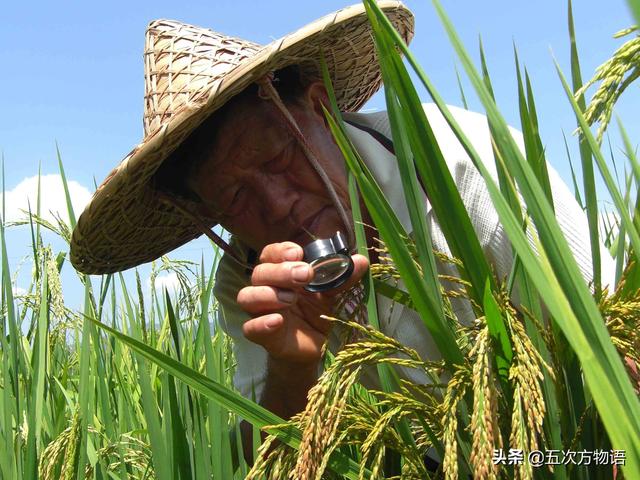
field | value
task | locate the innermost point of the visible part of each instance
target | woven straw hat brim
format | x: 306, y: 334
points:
x: 126, y: 224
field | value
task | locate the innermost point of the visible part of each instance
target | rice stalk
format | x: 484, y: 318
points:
x: 484, y: 420
x: 382, y: 434
x: 334, y: 416
x: 320, y: 419
x: 61, y: 454
x: 456, y: 390
x: 529, y: 408
x: 621, y: 312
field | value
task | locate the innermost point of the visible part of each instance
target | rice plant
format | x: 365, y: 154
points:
x: 138, y: 385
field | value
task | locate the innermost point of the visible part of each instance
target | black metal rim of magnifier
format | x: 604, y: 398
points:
x: 333, y: 283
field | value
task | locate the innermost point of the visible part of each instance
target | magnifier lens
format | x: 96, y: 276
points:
x: 331, y: 263
x: 329, y: 269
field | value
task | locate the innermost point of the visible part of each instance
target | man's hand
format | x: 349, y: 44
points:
x: 286, y: 318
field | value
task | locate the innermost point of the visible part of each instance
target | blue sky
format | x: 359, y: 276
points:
x: 73, y: 74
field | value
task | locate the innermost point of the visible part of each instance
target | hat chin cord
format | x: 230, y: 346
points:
x: 266, y: 91
x: 175, y: 202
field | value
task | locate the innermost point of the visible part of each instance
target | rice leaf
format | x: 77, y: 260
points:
x: 414, y: 196
x: 439, y: 185
x: 625, y: 218
x: 496, y: 324
x: 588, y: 177
x: 634, y: 5
x: 255, y: 414
x: 576, y: 189
x: 34, y: 440
x: 67, y: 195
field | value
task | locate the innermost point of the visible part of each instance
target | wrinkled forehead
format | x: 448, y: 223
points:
x: 249, y: 131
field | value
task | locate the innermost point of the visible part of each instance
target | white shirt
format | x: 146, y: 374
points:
x: 400, y: 322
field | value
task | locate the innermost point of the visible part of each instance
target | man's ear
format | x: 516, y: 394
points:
x: 317, y: 97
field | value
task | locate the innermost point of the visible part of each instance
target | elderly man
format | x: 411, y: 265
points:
x: 236, y: 135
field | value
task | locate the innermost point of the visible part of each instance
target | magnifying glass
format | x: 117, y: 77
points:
x: 331, y: 263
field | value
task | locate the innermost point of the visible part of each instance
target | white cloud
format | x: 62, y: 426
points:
x: 17, y: 291
x: 52, y: 198
x: 168, y: 281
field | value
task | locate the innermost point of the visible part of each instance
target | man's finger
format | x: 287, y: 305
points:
x: 281, y: 252
x: 284, y: 275
x: 265, y: 330
x: 294, y: 345
x: 263, y: 299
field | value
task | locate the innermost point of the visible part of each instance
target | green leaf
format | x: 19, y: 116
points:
x: 34, y: 440
x: 394, y: 293
x: 67, y: 195
x: 634, y: 5
x: 498, y: 332
x: 588, y: 177
x: 230, y: 400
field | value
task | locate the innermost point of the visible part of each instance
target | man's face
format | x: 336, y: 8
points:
x: 257, y: 180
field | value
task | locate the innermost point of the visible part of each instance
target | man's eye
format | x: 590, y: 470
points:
x: 282, y: 161
x: 236, y: 205
x: 229, y: 202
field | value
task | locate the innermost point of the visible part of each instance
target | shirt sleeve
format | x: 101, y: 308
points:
x: 251, y: 359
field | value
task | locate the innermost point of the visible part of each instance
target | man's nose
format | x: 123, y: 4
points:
x: 278, y: 197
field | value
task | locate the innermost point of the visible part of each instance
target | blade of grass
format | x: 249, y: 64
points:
x: 534, y: 151
x: 447, y: 203
x: 84, y: 386
x: 217, y: 423
x: 588, y: 177
x: 414, y: 196
x: 252, y: 412
x: 162, y: 463
x: 529, y: 298
x: 625, y: 218
x: 576, y: 189
x: 16, y: 359
x: 393, y: 293
x: 39, y: 368
x: 462, y: 96
x: 634, y: 6
x: 67, y: 195
x: 439, y: 185
x: 630, y: 151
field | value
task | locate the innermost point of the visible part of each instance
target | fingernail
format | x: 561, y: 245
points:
x: 300, y: 273
x: 291, y: 254
x: 272, y: 321
x: 286, y: 296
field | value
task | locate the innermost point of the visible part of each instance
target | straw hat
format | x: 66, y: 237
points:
x: 190, y: 72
